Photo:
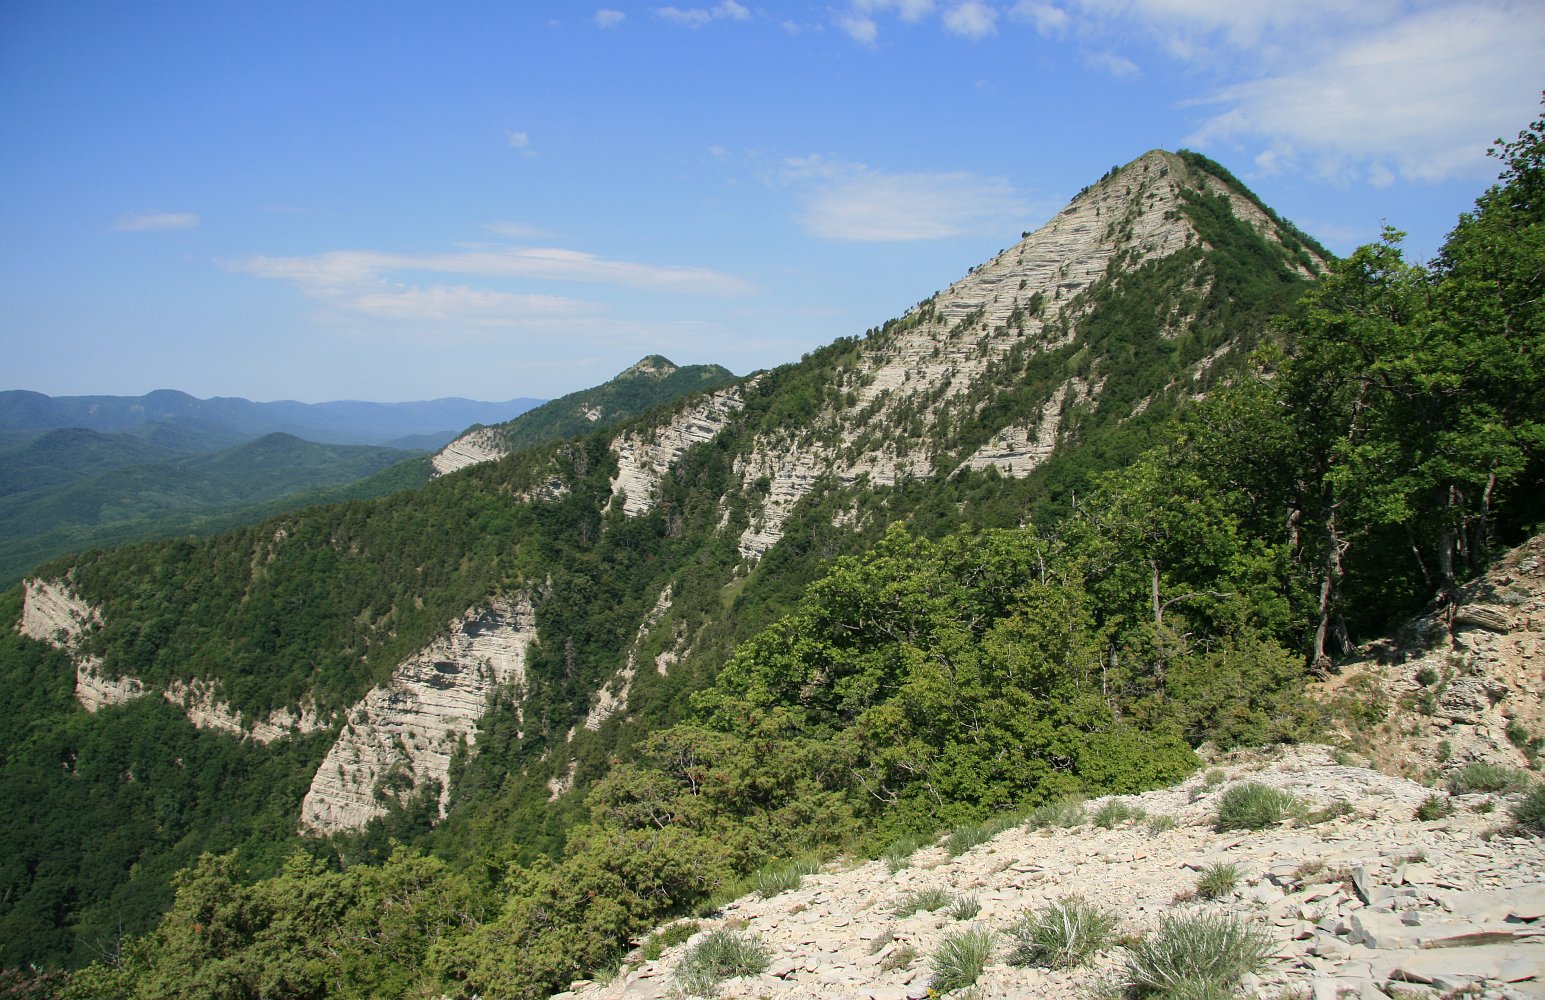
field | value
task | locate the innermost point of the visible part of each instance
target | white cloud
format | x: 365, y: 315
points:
x: 154, y: 222
x: 697, y: 17
x: 463, y: 305
x: 862, y: 30
x: 342, y: 269
x: 1049, y: 20
x: 518, y: 140
x: 1419, y: 98
x: 850, y: 201
x: 516, y: 230
x: 1110, y: 62
x: 910, y: 11
x: 606, y: 18
x: 972, y: 19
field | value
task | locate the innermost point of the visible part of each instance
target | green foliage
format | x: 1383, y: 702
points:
x: 966, y: 836
x: 1063, y: 935
x: 920, y: 900
x: 1114, y: 812
x: 1161, y: 823
x: 1218, y: 880
x: 1253, y: 806
x: 1529, y: 812
x: 1482, y: 777
x: 1434, y: 807
x: 963, y: 908
x: 672, y: 935
x: 1191, y: 952
x: 721, y: 955
x: 899, y: 854
x: 1057, y: 814
x: 773, y: 880
x: 960, y: 959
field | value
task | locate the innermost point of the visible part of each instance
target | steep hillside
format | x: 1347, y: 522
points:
x: 651, y: 382
x: 647, y: 553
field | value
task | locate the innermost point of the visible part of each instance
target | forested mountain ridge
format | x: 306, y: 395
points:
x: 652, y: 381
x: 851, y: 680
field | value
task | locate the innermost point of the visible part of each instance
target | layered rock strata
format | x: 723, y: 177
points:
x: 472, y: 448
x: 51, y: 612
x: 401, y: 737
x: 644, y: 455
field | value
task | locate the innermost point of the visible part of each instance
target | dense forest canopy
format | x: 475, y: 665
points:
x: 1174, y: 583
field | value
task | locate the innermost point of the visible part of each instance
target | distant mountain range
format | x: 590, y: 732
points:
x: 226, y: 420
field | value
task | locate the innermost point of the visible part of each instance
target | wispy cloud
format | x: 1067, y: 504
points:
x: 1420, y: 98
x: 851, y: 201
x: 971, y: 19
x: 1109, y: 62
x: 607, y: 18
x: 697, y: 17
x: 154, y: 222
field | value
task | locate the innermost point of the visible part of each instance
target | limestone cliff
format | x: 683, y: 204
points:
x: 401, y: 737
x: 644, y: 455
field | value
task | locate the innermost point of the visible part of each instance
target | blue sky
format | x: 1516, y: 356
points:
x: 400, y: 201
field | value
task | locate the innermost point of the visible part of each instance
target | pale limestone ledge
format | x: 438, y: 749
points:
x: 54, y: 614
x: 645, y: 454
x: 609, y: 702
x: 407, y: 730
x: 1018, y: 448
x: 472, y: 448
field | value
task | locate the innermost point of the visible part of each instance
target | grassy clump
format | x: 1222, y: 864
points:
x: 899, y: 854
x: 1115, y: 812
x: 669, y: 936
x: 959, y: 959
x: 1433, y: 807
x: 786, y: 877
x: 1060, y: 814
x: 1161, y: 823
x: 899, y: 959
x: 1254, y: 806
x: 1479, y: 777
x: 963, y: 908
x: 1196, y: 955
x: 1063, y: 935
x: 1218, y: 880
x: 922, y: 899
x: 966, y: 836
x: 721, y: 955
x: 1529, y: 814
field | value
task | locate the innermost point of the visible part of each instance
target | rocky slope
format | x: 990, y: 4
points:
x: 402, y: 736
x: 1363, y: 904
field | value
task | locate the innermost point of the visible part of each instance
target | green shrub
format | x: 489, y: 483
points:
x: 1114, y: 812
x: 960, y: 958
x: 1060, y: 814
x: 1160, y: 824
x: 899, y: 854
x: 1434, y: 806
x: 668, y: 937
x: 1529, y: 814
x: 785, y: 877
x: 963, y: 908
x: 1061, y: 936
x: 1218, y: 880
x: 1254, y: 806
x: 1196, y: 955
x: 1426, y: 676
x: 1479, y: 777
x: 965, y: 837
x: 720, y: 956
x: 922, y: 899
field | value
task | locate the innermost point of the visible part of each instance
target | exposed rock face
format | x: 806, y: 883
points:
x: 472, y: 448
x: 613, y: 696
x: 1363, y: 904
x: 644, y: 455
x: 200, y: 702
x: 52, y: 613
x: 1019, y: 448
x: 402, y: 735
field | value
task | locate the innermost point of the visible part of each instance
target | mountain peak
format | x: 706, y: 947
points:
x: 650, y: 366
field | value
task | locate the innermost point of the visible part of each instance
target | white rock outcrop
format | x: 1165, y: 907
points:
x: 200, y: 702
x: 644, y: 455
x: 53, y: 613
x: 403, y: 734
x: 472, y: 448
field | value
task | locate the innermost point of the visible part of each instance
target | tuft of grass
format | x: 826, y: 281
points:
x: 1433, y: 807
x: 668, y: 937
x: 1160, y: 824
x: 899, y: 854
x: 1213, y: 777
x: 1060, y: 814
x: 960, y: 959
x: 1063, y: 935
x: 1529, y: 813
x: 786, y: 877
x: 963, y: 908
x: 1196, y: 955
x: 719, y: 956
x: 899, y: 959
x: 1479, y: 777
x: 1114, y: 812
x: 1254, y: 806
x: 1218, y: 880
x: 966, y: 836
x: 1330, y: 811
x: 922, y: 899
